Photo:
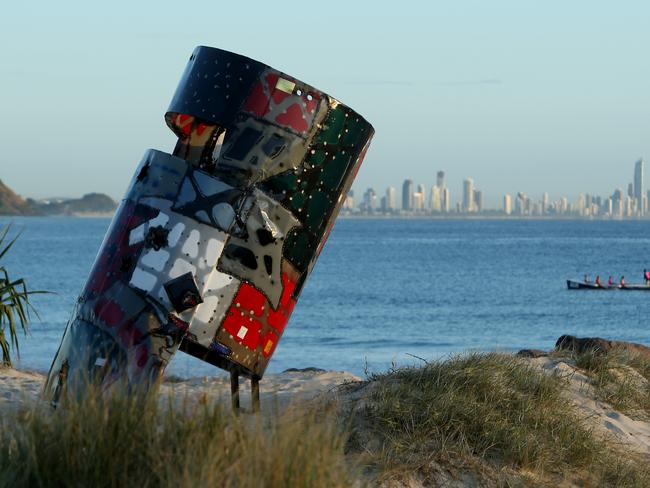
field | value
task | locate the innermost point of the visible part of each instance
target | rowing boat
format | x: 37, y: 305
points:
x: 581, y: 285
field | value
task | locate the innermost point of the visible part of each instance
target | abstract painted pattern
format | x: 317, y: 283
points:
x: 212, y: 244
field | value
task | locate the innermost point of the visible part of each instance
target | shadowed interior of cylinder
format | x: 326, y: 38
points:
x: 199, y: 143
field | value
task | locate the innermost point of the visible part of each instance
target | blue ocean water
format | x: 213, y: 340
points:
x: 387, y: 289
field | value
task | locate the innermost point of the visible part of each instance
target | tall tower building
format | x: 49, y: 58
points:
x: 581, y: 204
x: 391, y: 199
x: 468, y: 195
x: 618, y: 203
x: 440, y: 180
x: 564, y: 205
x: 418, y: 201
x: 507, y: 204
x: 349, y: 201
x: 639, y: 189
x: 383, y: 205
x: 522, y: 204
x: 445, y: 199
x: 407, y: 195
x: 370, y: 201
x: 435, y: 201
x: 478, y: 200
x: 545, y: 203
x: 629, y: 207
x: 423, y: 191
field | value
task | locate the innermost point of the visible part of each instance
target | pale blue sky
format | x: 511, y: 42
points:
x: 520, y: 95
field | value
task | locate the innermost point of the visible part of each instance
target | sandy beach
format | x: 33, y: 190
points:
x: 22, y: 388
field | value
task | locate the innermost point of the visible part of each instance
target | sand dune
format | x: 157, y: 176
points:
x: 606, y: 421
x: 624, y: 433
x: 279, y: 390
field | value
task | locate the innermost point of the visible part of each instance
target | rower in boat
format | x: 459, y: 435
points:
x: 610, y: 281
x: 610, y: 285
x: 586, y: 278
x: 598, y: 283
x: 646, y: 276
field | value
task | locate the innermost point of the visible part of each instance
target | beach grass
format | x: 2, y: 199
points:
x: 621, y: 378
x: 476, y: 419
x: 119, y: 440
x: 492, y: 417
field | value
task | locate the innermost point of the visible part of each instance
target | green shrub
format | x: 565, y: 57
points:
x: 14, y: 304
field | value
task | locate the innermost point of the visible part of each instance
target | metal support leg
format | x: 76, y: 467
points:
x: 255, y: 394
x: 234, y: 391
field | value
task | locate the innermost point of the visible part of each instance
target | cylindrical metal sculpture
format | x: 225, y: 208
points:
x: 211, y: 245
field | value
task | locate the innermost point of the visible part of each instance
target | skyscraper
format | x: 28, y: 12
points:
x: 391, y: 199
x: 618, y: 204
x: 564, y: 205
x: 468, y: 195
x: 478, y: 201
x: 445, y: 199
x: 440, y: 180
x: 370, y: 202
x: 407, y: 195
x: 544, y: 203
x: 418, y: 201
x: 507, y: 204
x: 435, y: 201
x: 522, y: 204
x: 581, y: 204
x: 639, y: 190
x: 349, y: 201
x: 423, y: 191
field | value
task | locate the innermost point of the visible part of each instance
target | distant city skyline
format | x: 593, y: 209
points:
x: 542, y: 96
x: 617, y: 203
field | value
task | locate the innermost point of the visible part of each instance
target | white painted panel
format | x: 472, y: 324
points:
x: 155, y: 259
x: 143, y: 280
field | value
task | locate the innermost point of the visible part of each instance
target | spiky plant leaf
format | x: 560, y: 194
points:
x: 15, y: 306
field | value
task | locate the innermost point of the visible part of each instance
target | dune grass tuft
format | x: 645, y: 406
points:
x: 480, y: 419
x: 135, y: 440
x: 620, y: 378
x: 492, y: 413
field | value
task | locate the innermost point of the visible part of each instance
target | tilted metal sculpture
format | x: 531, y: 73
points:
x: 212, y: 244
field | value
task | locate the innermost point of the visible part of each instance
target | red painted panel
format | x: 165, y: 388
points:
x: 243, y: 328
x: 293, y: 118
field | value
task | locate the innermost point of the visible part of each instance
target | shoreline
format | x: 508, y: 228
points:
x: 535, y: 218
x: 460, y: 217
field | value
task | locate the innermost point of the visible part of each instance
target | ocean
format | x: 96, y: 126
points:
x: 389, y: 291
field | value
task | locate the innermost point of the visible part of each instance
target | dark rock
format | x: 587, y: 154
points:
x: 597, y: 344
x: 310, y: 369
x: 532, y: 353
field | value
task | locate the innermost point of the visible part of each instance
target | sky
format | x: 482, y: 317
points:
x: 520, y: 95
